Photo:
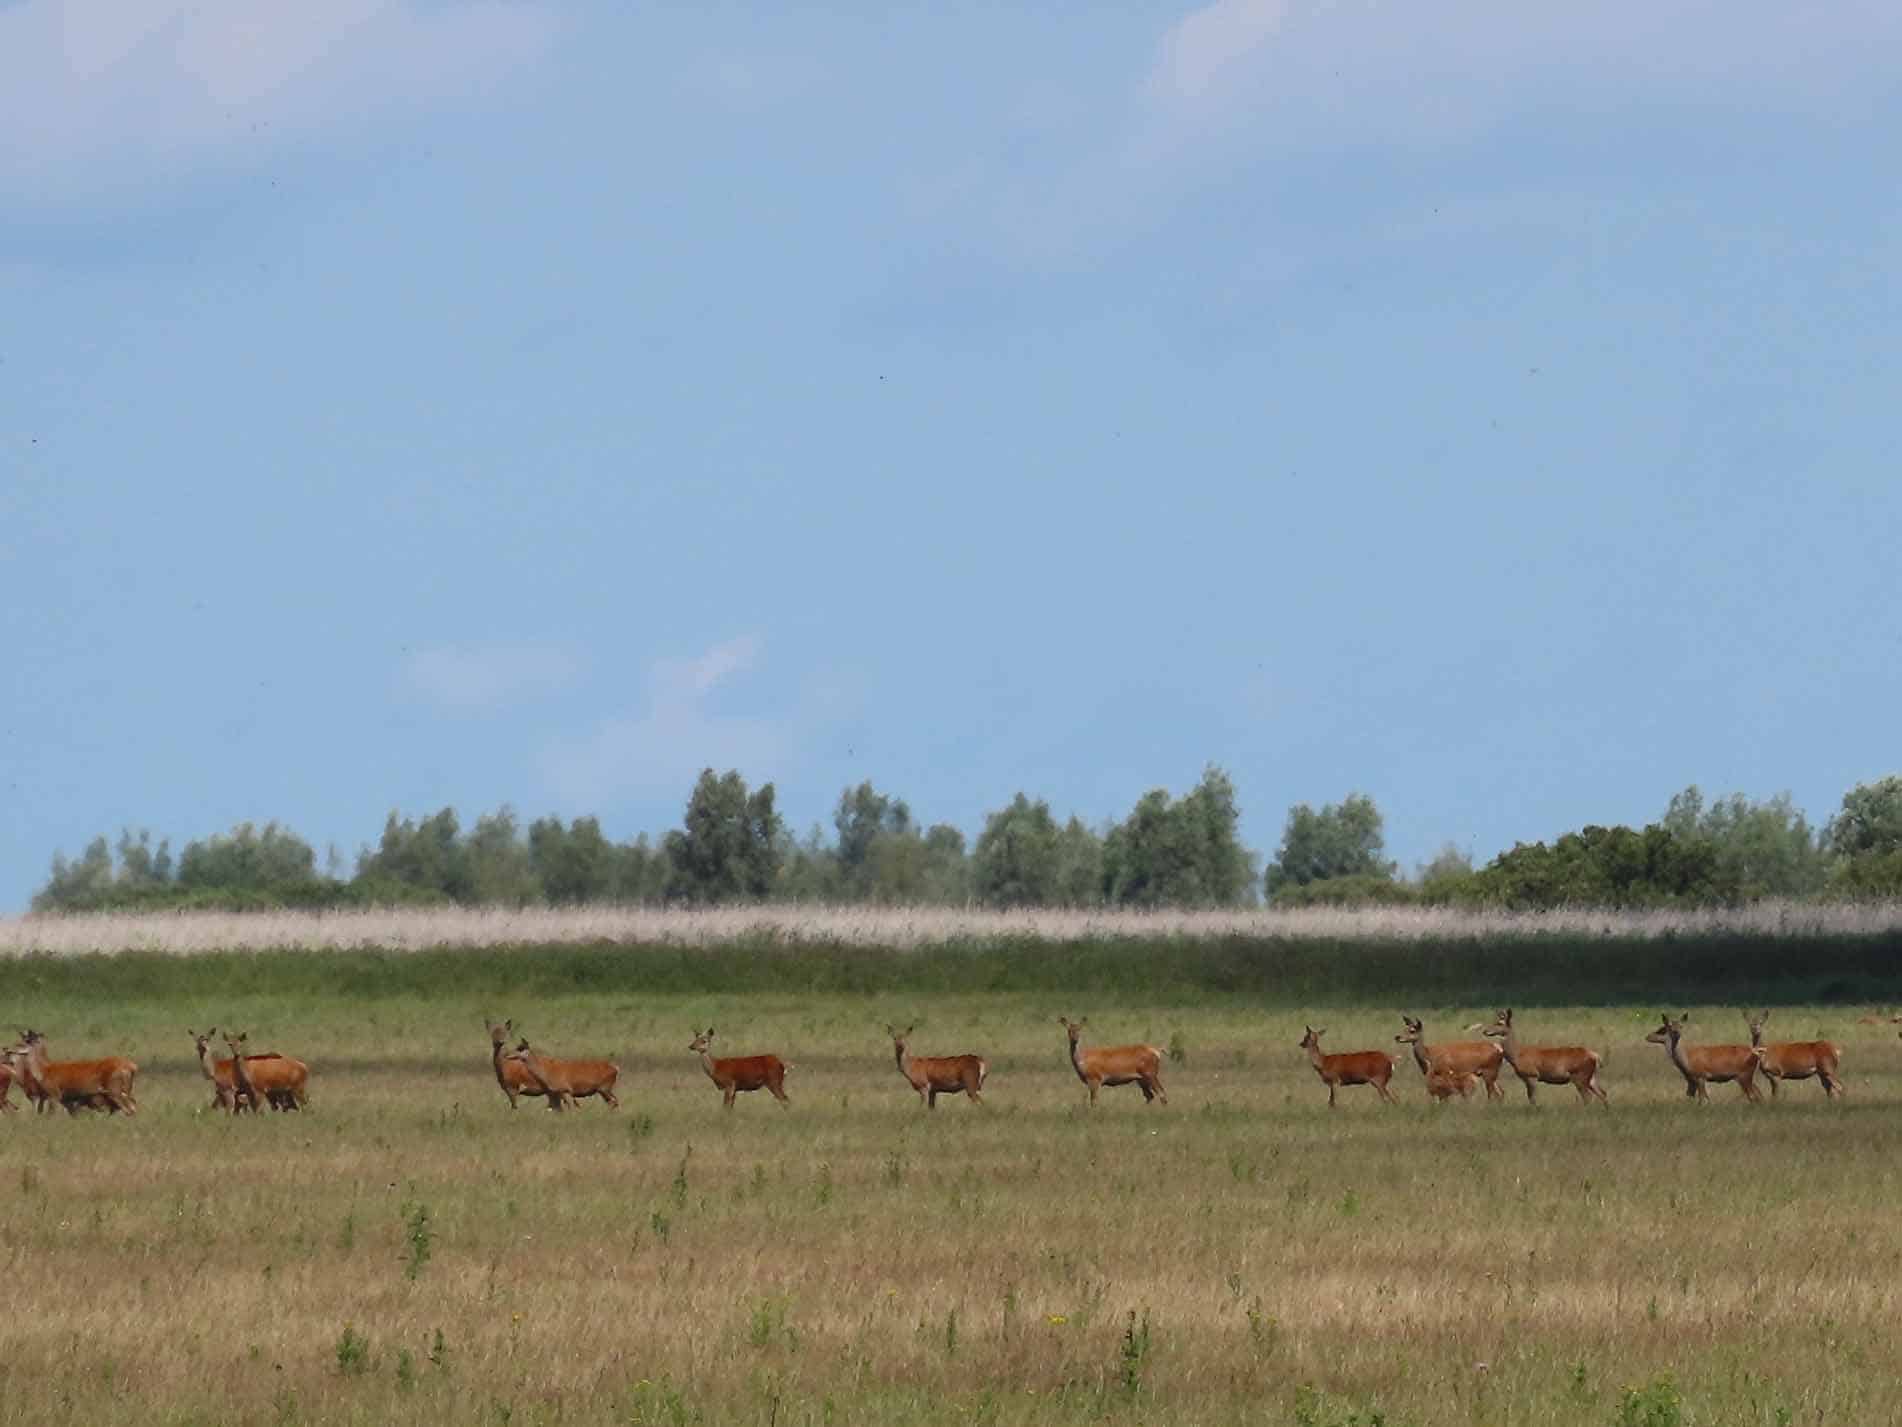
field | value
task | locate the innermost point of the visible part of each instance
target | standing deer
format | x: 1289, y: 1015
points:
x: 1115, y: 1065
x: 1550, y: 1065
x: 8, y: 1074
x: 549, y: 1075
x: 1796, y: 1060
x: 1455, y: 1059
x: 935, y: 1075
x: 78, y: 1084
x: 734, y: 1074
x: 566, y: 1081
x: 281, y: 1079
x: 1355, y: 1067
x: 510, y: 1074
x: 1441, y: 1084
x: 1701, y: 1064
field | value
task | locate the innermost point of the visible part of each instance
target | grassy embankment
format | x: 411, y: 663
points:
x: 412, y: 1251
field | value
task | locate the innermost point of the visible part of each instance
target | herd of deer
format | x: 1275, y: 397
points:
x: 248, y: 1080
x: 1458, y: 1067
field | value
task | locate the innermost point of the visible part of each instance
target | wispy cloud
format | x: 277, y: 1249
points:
x: 99, y: 94
x: 471, y: 677
x: 677, y: 735
x: 1203, y: 46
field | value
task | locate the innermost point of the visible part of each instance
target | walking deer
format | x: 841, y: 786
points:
x: 1115, y: 1065
x: 105, y: 1083
x: 1550, y: 1065
x: 1354, y: 1067
x: 1701, y: 1064
x: 1452, y: 1060
x: 1796, y: 1060
x: 738, y: 1073
x: 935, y: 1075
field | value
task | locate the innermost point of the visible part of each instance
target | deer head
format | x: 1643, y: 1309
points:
x: 702, y: 1041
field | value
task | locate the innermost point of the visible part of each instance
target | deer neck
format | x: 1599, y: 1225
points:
x: 240, y: 1077
x: 1509, y: 1047
x: 1076, y: 1054
x: 501, y: 1050
x: 904, y: 1061
x: 207, y: 1061
x: 706, y: 1059
x: 1420, y: 1057
x: 1675, y: 1045
x: 1315, y: 1058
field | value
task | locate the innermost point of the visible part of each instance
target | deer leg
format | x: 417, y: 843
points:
x: 1330, y: 1095
x: 608, y: 1095
x: 1531, y: 1093
x: 779, y: 1093
x: 1161, y: 1094
x: 1385, y: 1094
x: 729, y: 1093
x: 931, y: 1098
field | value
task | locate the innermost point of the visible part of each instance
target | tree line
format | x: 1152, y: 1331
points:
x: 734, y: 845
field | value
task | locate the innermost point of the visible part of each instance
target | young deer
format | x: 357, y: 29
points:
x: 550, y: 1076
x: 935, y: 1075
x: 1442, y: 1084
x: 734, y: 1074
x: 1355, y: 1067
x: 279, y: 1078
x: 1550, y: 1065
x: 572, y: 1079
x: 78, y: 1084
x: 1115, y: 1065
x: 1701, y: 1064
x: 1453, y: 1059
x: 1796, y: 1060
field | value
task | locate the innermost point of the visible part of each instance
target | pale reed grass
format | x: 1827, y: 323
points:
x: 898, y: 928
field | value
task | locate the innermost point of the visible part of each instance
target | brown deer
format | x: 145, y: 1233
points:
x: 1451, y: 1059
x: 551, y: 1076
x: 1354, y: 1067
x: 1550, y: 1065
x: 8, y: 1060
x: 105, y: 1083
x: 737, y: 1073
x: 283, y: 1086
x: 1796, y: 1060
x: 935, y: 1075
x: 568, y: 1080
x: 510, y: 1074
x: 1115, y: 1065
x: 1441, y: 1085
x: 282, y: 1080
x: 1701, y: 1064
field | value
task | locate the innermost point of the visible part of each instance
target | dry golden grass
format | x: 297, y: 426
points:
x: 856, y: 1260
x: 412, y: 929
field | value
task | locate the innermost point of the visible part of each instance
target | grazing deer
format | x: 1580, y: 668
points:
x: 935, y: 1075
x: 79, y: 1084
x: 1700, y: 1064
x: 736, y: 1073
x: 1549, y: 1064
x: 1354, y: 1067
x: 566, y: 1081
x: 1796, y: 1060
x: 1115, y: 1065
x: 1454, y: 1059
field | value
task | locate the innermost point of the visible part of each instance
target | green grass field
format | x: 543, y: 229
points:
x: 412, y: 1251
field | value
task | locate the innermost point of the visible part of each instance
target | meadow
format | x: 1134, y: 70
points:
x: 411, y: 1250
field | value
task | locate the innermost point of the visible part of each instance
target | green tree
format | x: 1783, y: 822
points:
x: 865, y: 820
x: 497, y: 865
x: 416, y: 860
x: 78, y: 886
x: 1341, y: 840
x: 575, y: 864
x: 271, y: 859
x: 1765, y: 848
x: 731, y: 846
x: 1870, y: 821
x: 1016, y: 860
x: 1605, y: 866
x: 1185, y: 852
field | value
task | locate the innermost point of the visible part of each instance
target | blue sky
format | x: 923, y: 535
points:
x: 1485, y: 406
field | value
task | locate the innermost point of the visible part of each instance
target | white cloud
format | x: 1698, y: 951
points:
x: 1200, y: 47
x: 105, y: 94
x: 662, y: 749
x: 482, y: 676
